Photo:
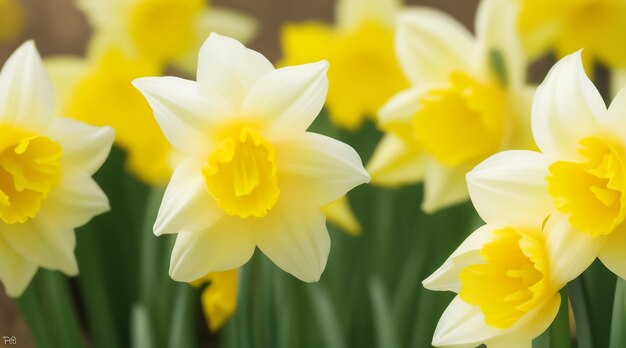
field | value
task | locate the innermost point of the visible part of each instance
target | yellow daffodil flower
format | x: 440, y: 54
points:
x: 251, y: 175
x: 507, y: 275
x: 98, y: 91
x: 11, y: 20
x: 579, y: 175
x: 364, y: 71
x: 169, y: 31
x: 46, y: 163
x: 565, y: 26
x: 467, y: 100
x: 219, y: 298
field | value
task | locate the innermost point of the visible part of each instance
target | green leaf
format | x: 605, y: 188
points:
x: 618, y: 322
x: 326, y: 317
x: 383, y: 318
x: 142, y: 333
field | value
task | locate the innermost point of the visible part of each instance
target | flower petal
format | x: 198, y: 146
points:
x: 340, y: 214
x: 181, y: 111
x: 496, y: 29
x: 430, y: 44
x: 85, y: 147
x: 289, y: 99
x: 187, y: 205
x: 613, y: 254
x: 76, y: 200
x: 614, y: 121
x: 443, y: 187
x: 395, y: 162
x: 566, y: 108
x: 395, y: 116
x: 464, y: 325
x: 446, y: 277
x: 16, y: 272
x: 227, y: 67
x: 296, y: 241
x: 65, y: 73
x: 570, y: 251
x: 509, y: 189
x: 45, y: 245
x: 316, y: 169
x: 26, y: 95
x: 351, y: 13
x: 225, y: 245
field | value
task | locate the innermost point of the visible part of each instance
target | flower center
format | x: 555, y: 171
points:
x: 591, y: 191
x: 164, y: 29
x: 462, y: 124
x: 512, y: 281
x: 241, y: 174
x: 30, y: 167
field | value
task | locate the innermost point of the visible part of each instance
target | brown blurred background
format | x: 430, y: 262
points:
x: 59, y: 28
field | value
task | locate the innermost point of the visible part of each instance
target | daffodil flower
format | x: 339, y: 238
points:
x: 467, y: 100
x: 565, y: 26
x: 169, y: 31
x: 219, y: 297
x: 98, y: 90
x: 579, y: 175
x: 251, y: 175
x: 364, y: 71
x: 507, y: 275
x: 46, y: 163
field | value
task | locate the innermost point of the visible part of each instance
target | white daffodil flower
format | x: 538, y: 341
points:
x: 467, y: 101
x: 46, y: 163
x: 251, y: 174
x: 579, y: 175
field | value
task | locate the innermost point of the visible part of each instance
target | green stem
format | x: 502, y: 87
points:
x: 61, y: 309
x: 32, y: 312
x: 559, y: 330
x: 580, y: 306
x: 618, y: 322
x: 183, y: 323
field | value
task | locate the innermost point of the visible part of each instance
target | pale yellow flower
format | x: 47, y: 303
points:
x: 98, y: 90
x: 170, y: 31
x: 507, y: 275
x: 579, y: 175
x: 363, y: 71
x: 219, y: 298
x: 251, y: 175
x: 341, y: 215
x: 46, y: 163
x: 467, y: 100
x: 12, y: 19
x: 565, y: 26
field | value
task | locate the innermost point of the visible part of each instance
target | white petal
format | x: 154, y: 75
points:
x: 614, y: 121
x: 15, y: 271
x: 316, y: 170
x: 401, y: 107
x: 395, y: 162
x: 187, y: 205
x: 570, y: 251
x: 85, y: 147
x: 446, y: 277
x: 226, y: 245
x: 288, y: 99
x: 509, y: 188
x: 566, y: 108
x: 49, y: 246
x: 26, y: 95
x: 613, y: 254
x: 227, y: 67
x: 76, y: 200
x: 443, y: 187
x: 430, y: 45
x: 464, y: 325
x: 351, y: 13
x: 296, y: 241
x: 496, y: 29
x: 183, y: 114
